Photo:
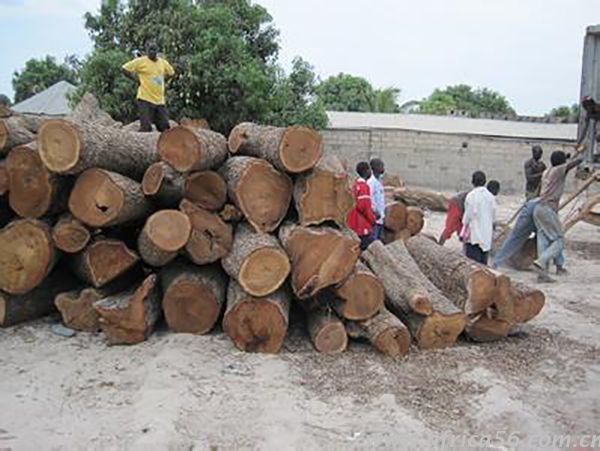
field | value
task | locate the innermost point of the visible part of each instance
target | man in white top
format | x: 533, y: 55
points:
x: 478, y: 220
x: 377, y: 195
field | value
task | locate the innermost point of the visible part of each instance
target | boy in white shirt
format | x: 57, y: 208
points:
x: 377, y: 196
x: 478, y: 220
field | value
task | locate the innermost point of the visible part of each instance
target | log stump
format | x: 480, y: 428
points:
x: 193, y: 297
x: 192, y: 149
x: 324, y: 193
x: 262, y: 193
x: 360, y: 296
x: 70, y: 235
x: 292, y: 149
x: 256, y: 261
x: 384, y: 331
x: 256, y: 324
x: 165, y: 233
x: 320, y: 257
x: 326, y: 331
x: 101, y: 198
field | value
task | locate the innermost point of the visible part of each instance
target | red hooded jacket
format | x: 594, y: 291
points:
x: 361, y: 218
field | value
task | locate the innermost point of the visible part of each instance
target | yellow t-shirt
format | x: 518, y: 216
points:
x: 152, y: 78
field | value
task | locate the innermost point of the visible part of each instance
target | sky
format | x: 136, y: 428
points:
x: 528, y: 50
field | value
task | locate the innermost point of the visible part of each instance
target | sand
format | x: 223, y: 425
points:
x: 179, y: 391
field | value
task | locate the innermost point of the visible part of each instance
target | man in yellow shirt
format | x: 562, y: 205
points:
x: 150, y: 71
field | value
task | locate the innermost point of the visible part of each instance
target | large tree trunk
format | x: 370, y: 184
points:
x: 320, y: 257
x: 101, y: 198
x: 33, y: 190
x: 360, y: 296
x: 529, y: 302
x: 433, y: 320
x: 421, y: 198
x: 256, y: 261
x: 256, y: 324
x: 27, y: 255
x: 195, y: 123
x: 262, y: 193
x: 324, y: 194
x: 13, y: 133
x: 385, y: 332
x: 193, y: 297
x: 70, y: 148
x: 35, y: 303
x: 326, y: 331
x: 130, y: 317
x: 165, y: 233
x: 395, y: 216
x: 468, y: 285
x: 291, y: 149
x: 103, y: 261
x: 210, y: 239
x: 163, y: 184
x: 192, y: 149
x: 70, y: 235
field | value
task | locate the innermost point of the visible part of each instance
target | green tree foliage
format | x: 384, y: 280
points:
x: 344, y: 92
x: 4, y: 100
x: 40, y: 74
x: 386, y: 100
x: 565, y: 113
x: 224, y: 53
x: 463, y: 98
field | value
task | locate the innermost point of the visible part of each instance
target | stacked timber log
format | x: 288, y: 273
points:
x: 428, y: 200
x: 119, y: 230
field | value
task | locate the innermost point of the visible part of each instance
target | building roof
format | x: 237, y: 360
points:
x: 453, y: 125
x: 52, y: 101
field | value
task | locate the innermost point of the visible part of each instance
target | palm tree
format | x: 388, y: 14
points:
x: 386, y: 100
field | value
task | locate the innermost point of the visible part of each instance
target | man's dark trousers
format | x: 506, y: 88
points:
x: 152, y: 114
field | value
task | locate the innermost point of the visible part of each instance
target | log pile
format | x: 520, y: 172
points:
x: 119, y: 231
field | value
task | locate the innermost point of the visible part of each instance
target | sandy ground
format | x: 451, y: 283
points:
x: 180, y: 391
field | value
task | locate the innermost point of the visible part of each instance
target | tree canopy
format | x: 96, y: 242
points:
x: 40, y: 74
x: 565, y: 113
x: 465, y: 99
x: 224, y: 53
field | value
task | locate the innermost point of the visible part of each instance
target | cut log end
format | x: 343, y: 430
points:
x: 76, y: 308
x: 96, y: 199
x: 207, y: 189
x: 59, y: 145
x: 393, y: 341
x: 395, y: 216
x: 236, y: 139
x: 486, y: 329
x: 440, y: 331
x: 190, y: 307
x: 153, y: 179
x: 480, y: 287
x: 361, y: 295
x: 168, y: 230
x: 528, y: 302
x: 331, y: 338
x: 415, y: 220
x: 264, y: 271
x: 300, y: 149
x: 180, y: 147
x: 70, y: 235
x: 105, y: 260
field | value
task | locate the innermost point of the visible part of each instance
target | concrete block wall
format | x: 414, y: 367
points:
x: 443, y: 162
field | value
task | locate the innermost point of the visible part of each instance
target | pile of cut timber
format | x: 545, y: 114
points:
x: 428, y: 200
x: 121, y: 230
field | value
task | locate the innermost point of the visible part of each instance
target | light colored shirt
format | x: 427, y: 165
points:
x: 152, y: 78
x: 479, y: 217
x: 553, y: 185
x: 377, y: 197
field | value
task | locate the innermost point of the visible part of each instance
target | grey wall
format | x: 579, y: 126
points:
x: 443, y: 162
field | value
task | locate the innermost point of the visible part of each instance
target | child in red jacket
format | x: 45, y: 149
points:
x: 361, y: 218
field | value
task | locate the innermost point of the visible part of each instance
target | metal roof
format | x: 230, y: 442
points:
x: 453, y: 125
x: 52, y: 101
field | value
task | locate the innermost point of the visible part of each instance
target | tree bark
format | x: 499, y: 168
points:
x: 320, y: 257
x: 529, y: 302
x: 101, y: 198
x: 13, y: 133
x: 130, y: 317
x: 324, y: 194
x: 33, y: 190
x: 395, y: 216
x: 433, y: 321
x: 195, y: 123
x: 35, y: 303
x: 256, y: 324
x: 67, y: 147
x: 27, y: 255
x: 192, y: 149
x: 70, y: 235
x: 414, y: 220
x: 256, y: 261
x: 103, y: 261
x: 292, y: 149
x: 385, y: 332
x: 88, y: 111
x: 326, y: 331
x: 468, y: 285
x: 193, y: 297
x: 421, y: 198
x: 210, y: 239
x: 165, y: 233
x: 163, y: 184
x: 360, y: 296
x: 262, y: 193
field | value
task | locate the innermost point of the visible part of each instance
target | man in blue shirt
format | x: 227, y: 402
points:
x: 377, y: 196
